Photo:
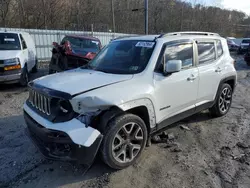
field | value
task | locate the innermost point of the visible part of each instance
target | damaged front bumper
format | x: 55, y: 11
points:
x: 65, y: 144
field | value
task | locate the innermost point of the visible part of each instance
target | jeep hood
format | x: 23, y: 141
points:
x: 78, y: 81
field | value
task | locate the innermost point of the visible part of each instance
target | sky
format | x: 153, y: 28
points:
x: 242, y: 5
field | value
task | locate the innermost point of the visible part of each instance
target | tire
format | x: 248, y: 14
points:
x: 35, y: 69
x: 24, y: 80
x: 125, y: 132
x: 223, y: 101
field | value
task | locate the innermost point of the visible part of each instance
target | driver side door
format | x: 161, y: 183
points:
x: 176, y: 93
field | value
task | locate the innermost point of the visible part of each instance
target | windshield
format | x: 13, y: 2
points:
x: 82, y: 44
x: 246, y: 41
x: 9, y: 41
x: 123, y: 57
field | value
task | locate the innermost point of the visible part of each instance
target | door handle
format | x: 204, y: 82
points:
x: 191, y: 78
x: 218, y: 70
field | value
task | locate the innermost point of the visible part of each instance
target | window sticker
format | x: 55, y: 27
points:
x: 145, y: 44
x: 9, y: 40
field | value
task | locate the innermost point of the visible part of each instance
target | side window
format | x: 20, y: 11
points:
x: 206, y: 52
x: 219, y: 48
x: 23, y: 42
x: 183, y: 52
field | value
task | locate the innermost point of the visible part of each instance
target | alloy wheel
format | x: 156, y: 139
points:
x: 127, y: 143
x: 225, y: 100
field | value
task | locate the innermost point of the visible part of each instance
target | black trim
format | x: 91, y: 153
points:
x: 164, y: 108
x: 57, y: 145
x: 226, y: 80
x: 170, y: 121
x: 50, y: 92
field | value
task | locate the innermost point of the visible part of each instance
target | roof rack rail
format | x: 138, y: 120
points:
x: 126, y: 36
x: 189, y: 33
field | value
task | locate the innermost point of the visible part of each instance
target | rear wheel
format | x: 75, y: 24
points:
x: 223, y: 101
x: 124, y: 140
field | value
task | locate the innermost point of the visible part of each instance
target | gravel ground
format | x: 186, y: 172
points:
x: 211, y: 153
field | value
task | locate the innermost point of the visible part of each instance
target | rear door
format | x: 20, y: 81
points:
x: 210, y: 66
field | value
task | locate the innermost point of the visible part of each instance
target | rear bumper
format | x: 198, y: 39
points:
x: 58, y: 145
x: 10, y: 77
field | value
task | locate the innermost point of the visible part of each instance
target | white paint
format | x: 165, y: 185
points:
x: 78, y: 80
x: 74, y: 128
x: 25, y: 56
x: 180, y: 91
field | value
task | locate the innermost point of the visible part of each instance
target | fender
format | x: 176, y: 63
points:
x: 141, y: 102
x: 224, y: 80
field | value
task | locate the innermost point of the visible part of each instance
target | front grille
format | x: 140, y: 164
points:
x: 40, y: 102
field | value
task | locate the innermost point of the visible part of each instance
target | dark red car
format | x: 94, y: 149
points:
x: 73, y: 52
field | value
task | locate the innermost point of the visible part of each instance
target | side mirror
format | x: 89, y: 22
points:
x: 172, y: 66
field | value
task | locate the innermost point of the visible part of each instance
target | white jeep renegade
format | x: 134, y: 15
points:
x: 133, y: 89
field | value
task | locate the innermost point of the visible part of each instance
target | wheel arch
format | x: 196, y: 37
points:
x: 231, y: 80
x: 143, y: 108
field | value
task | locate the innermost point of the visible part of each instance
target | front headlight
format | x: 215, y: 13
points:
x: 62, y: 110
x: 13, y: 61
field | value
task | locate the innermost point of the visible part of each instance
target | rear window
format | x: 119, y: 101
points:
x: 246, y: 41
x: 206, y: 52
x: 9, y: 41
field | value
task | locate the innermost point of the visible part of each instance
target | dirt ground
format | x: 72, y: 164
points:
x: 213, y: 153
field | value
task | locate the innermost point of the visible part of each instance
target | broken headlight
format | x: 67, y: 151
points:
x: 88, y: 117
x: 63, y: 110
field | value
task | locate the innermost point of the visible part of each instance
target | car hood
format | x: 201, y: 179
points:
x: 78, y: 81
x: 9, y: 54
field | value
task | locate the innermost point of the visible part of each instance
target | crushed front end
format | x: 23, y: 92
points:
x: 59, y: 138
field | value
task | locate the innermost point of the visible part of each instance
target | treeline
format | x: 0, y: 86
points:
x: 164, y: 16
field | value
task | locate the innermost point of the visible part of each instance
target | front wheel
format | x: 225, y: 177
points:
x: 24, y: 80
x: 35, y: 69
x: 223, y: 101
x: 124, y: 140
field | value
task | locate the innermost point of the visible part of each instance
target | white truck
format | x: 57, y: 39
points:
x: 132, y: 90
x: 17, y: 57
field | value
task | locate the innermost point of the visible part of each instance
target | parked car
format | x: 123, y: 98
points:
x: 247, y: 56
x: 132, y: 90
x: 244, y: 46
x: 232, y: 45
x: 17, y: 57
x: 73, y: 52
